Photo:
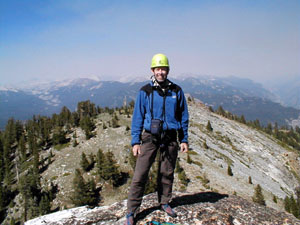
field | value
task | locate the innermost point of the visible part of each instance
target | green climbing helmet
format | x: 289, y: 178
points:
x: 159, y: 60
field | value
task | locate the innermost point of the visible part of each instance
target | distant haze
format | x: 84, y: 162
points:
x: 115, y: 40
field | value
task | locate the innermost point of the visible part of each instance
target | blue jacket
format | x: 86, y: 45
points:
x: 174, y: 113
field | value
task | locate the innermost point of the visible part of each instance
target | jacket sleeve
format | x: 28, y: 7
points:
x: 138, y: 118
x: 183, y: 108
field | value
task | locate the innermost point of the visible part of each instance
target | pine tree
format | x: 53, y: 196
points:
x: 258, y: 196
x: 92, y: 193
x: 44, y: 205
x: 65, y: 116
x: 229, y: 171
x: 250, y: 180
x: 188, y: 159
x: 208, y: 126
x: 36, y: 159
x: 114, y: 123
x: 84, y: 163
x: 85, y: 193
x: 221, y: 111
x: 183, y: 178
x: 29, y: 187
x: 45, y: 127
x: 4, y: 193
x: 211, y: 109
x: 287, y: 204
x: 10, y: 132
x: 8, y: 164
x: 19, y: 130
x: 75, y: 119
x: 181, y: 174
x: 92, y: 161
x: 78, y: 197
x: 294, y: 208
x: 298, y: 196
x: 274, y: 199
x: 268, y: 129
x: 30, y: 135
x: 100, y: 159
x: 257, y: 124
x: 276, y: 131
x: 59, y: 136
x: 22, y: 148
x: 86, y: 108
x: 243, y: 120
x: 111, y: 169
x: 1, y: 161
x: 33, y: 209
x: 99, y: 110
x: 88, y: 126
x: 205, y: 146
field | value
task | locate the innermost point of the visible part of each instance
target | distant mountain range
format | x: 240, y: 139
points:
x: 288, y: 91
x: 239, y: 96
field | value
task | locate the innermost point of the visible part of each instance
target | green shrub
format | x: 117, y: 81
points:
x: 229, y: 171
x: 258, y: 196
x: 250, y: 180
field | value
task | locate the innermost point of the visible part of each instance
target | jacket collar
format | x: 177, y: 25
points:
x: 161, y: 89
x: 155, y: 83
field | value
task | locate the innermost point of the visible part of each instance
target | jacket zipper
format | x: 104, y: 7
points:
x: 164, y: 109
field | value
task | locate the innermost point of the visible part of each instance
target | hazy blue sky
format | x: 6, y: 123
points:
x: 62, y: 39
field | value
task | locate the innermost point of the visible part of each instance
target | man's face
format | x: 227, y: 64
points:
x: 160, y: 73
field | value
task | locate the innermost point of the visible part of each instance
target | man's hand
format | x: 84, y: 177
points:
x: 184, y: 147
x: 136, y: 150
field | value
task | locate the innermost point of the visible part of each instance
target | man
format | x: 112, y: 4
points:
x: 160, y: 117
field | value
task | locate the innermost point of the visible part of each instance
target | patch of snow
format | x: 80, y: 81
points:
x: 8, y: 89
x: 96, y: 86
x: 294, y: 122
x: 50, y: 99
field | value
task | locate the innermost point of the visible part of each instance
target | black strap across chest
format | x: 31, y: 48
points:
x: 150, y: 89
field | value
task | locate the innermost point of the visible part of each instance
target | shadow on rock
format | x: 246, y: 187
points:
x: 211, y: 197
x: 143, y: 214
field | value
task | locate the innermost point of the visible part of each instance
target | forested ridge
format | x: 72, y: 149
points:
x: 286, y: 136
x: 21, y: 163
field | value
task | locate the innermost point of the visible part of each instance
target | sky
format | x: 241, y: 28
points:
x: 115, y: 40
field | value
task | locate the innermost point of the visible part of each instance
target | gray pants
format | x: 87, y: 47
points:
x: 165, y: 175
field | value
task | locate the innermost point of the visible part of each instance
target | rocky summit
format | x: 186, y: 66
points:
x: 192, y: 208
